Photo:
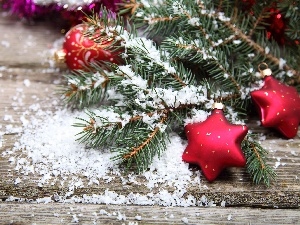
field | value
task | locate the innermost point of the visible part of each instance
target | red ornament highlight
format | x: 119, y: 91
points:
x: 79, y: 51
x: 215, y: 144
x: 278, y: 106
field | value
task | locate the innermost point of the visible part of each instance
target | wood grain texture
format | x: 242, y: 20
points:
x: 24, y: 214
x: 22, y: 56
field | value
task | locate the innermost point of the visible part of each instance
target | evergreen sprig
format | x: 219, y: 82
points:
x: 88, y: 87
x: 149, y: 94
x: 220, y: 33
x: 159, y: 85
x: 256, y: 164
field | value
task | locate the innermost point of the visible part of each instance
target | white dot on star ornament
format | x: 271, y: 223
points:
x: 278, y: 106
x: 215, y: 144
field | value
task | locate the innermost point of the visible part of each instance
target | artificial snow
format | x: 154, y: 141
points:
x: 185, y: 220
x: 6, y: 44
x: 229, y: 217
x: 137, y: 217
x: 47, y: 149
x: 26, y: 82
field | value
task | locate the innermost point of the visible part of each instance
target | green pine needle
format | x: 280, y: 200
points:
x: 257, y: 166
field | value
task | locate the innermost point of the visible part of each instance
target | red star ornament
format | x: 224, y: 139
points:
x: 278, y: 105
x: 215, y: 144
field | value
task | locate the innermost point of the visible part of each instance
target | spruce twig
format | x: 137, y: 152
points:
x: 165, y: 17
x: 256, y: 163
x: 156, y: 84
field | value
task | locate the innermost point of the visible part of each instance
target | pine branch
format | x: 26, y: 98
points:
x: 135, y: 151
x: 129, y: 6
x: 155, y: 90
x: 290, y: 10
x: 261, y: 50
x: 208, y: 59
x: 260, y: 18
x: 139, y: 147
x: 148, y: 92
x: 166, y: 17
x: 86, y: 88
x: 256, y: 163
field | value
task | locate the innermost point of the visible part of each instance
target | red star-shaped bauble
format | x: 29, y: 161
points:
x: 279, y: 106
x: 215, y: 144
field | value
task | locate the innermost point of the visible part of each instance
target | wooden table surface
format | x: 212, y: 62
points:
x: 24, y: 52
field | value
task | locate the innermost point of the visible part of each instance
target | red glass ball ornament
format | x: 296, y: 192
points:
x: 215, y: 144
x: 277, y: 26
x: 278, y: 105
x: 79, y: 50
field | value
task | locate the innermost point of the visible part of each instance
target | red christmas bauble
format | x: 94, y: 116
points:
x: 79, y: 50
x: 215, y: 144
x: 277, y: 26
x: 278, y: 106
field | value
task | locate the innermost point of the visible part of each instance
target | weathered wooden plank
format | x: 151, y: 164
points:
x: 24, y: 58
x: 23, y: 43
x: 25, y: 214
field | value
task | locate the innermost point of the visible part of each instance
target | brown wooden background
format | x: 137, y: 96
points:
x: 23, y: 55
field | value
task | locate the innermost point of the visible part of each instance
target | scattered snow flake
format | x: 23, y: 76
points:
x: 8, y: 118
x: 229, y: 217
x: 17, y: 181
x: 132, y: 223
x: 194, y: 21
x: 290, y: 73
x: 24, y: 120
x: 75, y: 219
x: 6, y: 44
x: 103, y: 212
x: 223, y: 204
x: 185, y: 220
x: 278, y: 163
x: 211, y: 204
x: 237, y: 42
x: 294, y: 153
x: 120, y: 216
x: 137, y: 217
x: 267, y: 50
x: 44, y: 200
x: 282, y: 63
x: 26, y: 82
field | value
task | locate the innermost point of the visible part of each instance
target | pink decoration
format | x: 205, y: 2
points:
x: 29, y: 10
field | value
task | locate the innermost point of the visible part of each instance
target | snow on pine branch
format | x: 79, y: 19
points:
x: 146, y: 48
x: 167, y: 97
x: 139, y: 50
